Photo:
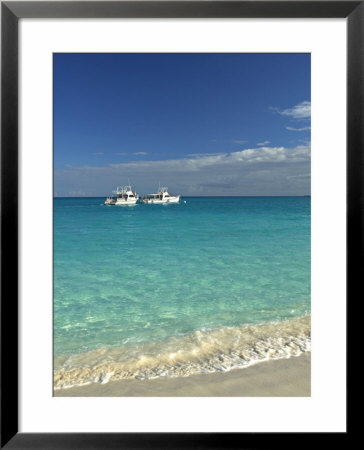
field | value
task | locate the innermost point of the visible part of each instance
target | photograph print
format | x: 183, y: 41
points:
x: 182, y: 224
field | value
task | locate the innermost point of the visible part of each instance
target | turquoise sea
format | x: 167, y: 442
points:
x: 209, y: 284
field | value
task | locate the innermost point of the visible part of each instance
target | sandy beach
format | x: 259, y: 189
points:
x: 275, y: 378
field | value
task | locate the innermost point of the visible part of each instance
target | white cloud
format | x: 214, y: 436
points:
x: 263, y: 143
x: 300, y: 111
x: 300, y: 175
x: 253, y: 171
x: 298, y: 129
x: 198, y: 155
x: 139, y: 153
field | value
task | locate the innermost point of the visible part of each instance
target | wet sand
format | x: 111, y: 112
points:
x: 275, y: 378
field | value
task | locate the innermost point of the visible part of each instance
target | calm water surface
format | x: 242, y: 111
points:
x: 145, y: 281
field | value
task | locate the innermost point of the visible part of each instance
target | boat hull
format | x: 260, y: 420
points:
x: 110, y: 202
x: 161, y: 202
x: 122, y: 202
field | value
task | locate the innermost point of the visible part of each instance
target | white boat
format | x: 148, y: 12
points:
x: 162, y: 196
x: 126, y: 196
x: 110, y: 201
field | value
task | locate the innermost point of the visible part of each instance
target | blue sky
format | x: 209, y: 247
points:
x: 202, y: 124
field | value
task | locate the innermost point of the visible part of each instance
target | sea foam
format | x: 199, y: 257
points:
x: 199, y: 352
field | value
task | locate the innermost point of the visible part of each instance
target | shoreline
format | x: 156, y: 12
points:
x: 201, y: 352
x: 289, y: 377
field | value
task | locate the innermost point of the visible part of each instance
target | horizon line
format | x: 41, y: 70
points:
x: 188, y: 196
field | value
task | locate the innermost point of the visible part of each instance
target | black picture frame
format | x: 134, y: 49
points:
x: 11, y: 12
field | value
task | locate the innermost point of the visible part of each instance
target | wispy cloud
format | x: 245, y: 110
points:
x: 239, y: 141
x: 202, y: 155
x: 140, y: 153
x: 300, y: 111
x: 252, y: 171
x: 263, y: 143
x: 298, y: 129
x: 300, y: 175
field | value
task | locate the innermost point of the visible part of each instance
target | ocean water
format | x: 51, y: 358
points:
x: 205, y: 285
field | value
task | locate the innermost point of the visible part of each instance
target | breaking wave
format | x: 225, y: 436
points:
x: 204, y: 351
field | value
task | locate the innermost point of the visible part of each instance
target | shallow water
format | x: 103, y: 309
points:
x: 151, y: 281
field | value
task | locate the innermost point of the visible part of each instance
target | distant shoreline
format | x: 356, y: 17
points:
x: 273, y: 378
